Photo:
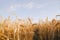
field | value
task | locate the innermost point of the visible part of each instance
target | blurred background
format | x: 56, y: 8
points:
x: 35, y: 9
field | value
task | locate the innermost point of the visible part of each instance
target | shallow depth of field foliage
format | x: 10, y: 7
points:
x: 21, y: 29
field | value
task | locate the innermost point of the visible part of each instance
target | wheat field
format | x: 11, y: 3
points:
x: 20, y: 29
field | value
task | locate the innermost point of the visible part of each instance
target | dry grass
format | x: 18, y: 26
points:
x: 26, y: 30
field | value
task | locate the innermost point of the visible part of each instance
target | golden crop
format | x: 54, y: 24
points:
x: 26, y: 30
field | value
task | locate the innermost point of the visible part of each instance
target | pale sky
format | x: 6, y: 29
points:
x: 37, y: 9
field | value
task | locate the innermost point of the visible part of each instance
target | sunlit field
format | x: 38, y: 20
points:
x: 24, y: 29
